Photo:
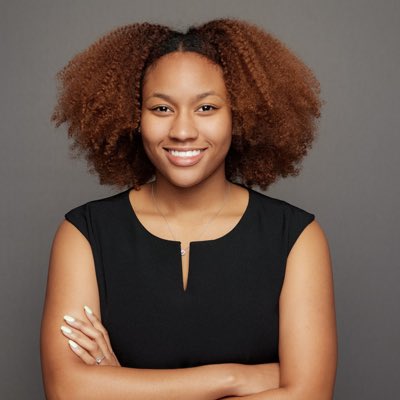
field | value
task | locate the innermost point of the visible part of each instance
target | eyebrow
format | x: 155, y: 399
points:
x: 198, y: 97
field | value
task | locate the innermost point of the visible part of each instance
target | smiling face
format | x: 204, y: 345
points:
x: 186, y: 120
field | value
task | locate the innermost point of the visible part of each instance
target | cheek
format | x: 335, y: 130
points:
x: 153, y: 127
x: 218, y: 130
x: 153, y: 131
x: 150, y: 143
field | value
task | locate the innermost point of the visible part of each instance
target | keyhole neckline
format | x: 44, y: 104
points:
x: 224, y: 236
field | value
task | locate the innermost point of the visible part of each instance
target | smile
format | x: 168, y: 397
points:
x: 185, y: 158
x: 189, y: 153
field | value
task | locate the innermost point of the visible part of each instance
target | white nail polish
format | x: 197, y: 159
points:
x: 66, y: 329
x: 88, y: 310
x: 69, y: 319
x: 72, y: 344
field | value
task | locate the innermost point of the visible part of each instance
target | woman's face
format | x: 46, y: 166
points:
x: 186, y: 120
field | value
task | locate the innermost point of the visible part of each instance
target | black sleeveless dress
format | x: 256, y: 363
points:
x: 229, y: 312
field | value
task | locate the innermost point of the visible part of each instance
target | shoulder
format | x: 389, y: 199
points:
x: 283, y: 217
x: 97, y: 214
x: 278, y: 205
x: 311, y: 245
x: 102, y: 203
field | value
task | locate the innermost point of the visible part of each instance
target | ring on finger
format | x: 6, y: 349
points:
x: 100, y: 359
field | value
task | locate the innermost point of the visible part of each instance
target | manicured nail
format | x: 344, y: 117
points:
x: 66, y: 329
x: 73, y: 344
x: 69, y: 319
x: 88, y: 310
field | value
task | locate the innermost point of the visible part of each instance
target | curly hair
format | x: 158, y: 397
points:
x: 273, y: 95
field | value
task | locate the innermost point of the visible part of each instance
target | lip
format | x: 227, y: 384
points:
x: 184, y: 161
x: 184, y: 148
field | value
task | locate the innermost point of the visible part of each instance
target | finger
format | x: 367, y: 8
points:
x: 81, y: 353
x: 94, y: 319
x: 97, y: 324
x: 99, y: 345
x: 83, y: 341
x: 87, y: 357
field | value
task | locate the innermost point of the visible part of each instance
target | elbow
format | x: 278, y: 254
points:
x: 304, y: 391
x: 52, y: 392
x: 57, y: 391
x: 313, y: 387
x: 310, y: 393
x: 62, y: 385
x: 52, y: 389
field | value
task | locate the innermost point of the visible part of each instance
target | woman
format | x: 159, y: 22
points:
x: 189, y: 123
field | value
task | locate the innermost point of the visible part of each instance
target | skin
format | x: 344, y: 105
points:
x: 176, y: 112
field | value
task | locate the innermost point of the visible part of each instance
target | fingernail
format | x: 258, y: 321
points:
x: 88, y: 310
x: 66, y: 329
x: 69, y: 319
x: 73, y: 344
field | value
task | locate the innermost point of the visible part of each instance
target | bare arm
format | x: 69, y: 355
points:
x: 307, y: 326
x: 72, y: 283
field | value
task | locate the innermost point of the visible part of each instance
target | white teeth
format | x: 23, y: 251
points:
x: 185, y: 153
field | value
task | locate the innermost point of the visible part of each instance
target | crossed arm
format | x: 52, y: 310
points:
x: 307, y: 338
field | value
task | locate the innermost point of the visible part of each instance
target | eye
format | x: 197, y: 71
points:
x: 207, y: 107
x: 161, y: 109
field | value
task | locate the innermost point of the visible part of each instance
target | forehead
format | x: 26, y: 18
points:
x: 184, y: 70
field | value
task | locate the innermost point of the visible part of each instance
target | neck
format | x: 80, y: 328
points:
x: 190, y: 202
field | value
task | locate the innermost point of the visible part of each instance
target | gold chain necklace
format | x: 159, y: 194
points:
x: 184, y: 250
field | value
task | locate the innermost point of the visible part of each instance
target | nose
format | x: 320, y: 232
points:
x: 183, y: 127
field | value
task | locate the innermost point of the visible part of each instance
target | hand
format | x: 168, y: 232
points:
x: 89, y: 341
x: 256, y: 378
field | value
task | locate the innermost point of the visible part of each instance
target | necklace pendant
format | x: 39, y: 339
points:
x: 183, y: 252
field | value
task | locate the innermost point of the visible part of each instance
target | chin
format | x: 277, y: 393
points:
x: 186, y: 177
x: 184, y: 181
x: 184, y: 184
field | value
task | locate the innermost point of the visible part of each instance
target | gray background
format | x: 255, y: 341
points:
x: 350, y: 179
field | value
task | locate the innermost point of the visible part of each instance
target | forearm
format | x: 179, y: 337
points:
x: 284, y: 393
x: 207, y: 382
x: 276, y: 394
x: 275, y: 389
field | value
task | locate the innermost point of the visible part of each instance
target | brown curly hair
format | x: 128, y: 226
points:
x: 274, y: 98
